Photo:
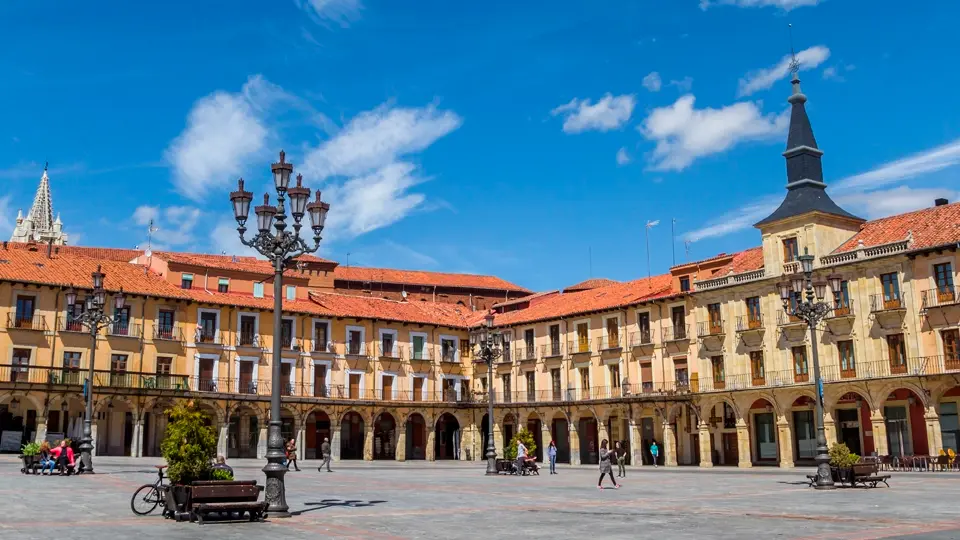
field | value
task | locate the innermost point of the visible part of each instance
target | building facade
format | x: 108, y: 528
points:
x: 703, y: 359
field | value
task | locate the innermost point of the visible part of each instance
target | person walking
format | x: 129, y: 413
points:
x: 325, y: 452
x: 521, y: 456
x: 552, y: 456
x: 655, y: 452
x: 621, y: 461
x: 605, y: 467
x: 292, y: 455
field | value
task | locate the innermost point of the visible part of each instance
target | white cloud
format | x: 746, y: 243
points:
x: 652, y: 81
x: 608, y: 113
x: 341, y: 12
x: 858, y: 193
x: 785, y: 5
x: 623, y: 157
x: 376, y: 138
x: 831, y: 73
x: 369, y: 202
x: 763, y: 79
x: 7, y: 216
x: 225, y: 239
x: 684, y: 84
x: 684, y: 133
x: 174, y: 226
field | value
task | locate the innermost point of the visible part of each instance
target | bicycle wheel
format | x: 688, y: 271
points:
x: 145, y: 499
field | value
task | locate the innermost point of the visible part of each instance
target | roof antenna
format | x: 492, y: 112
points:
x: 794, y: 63
x: 149, y: 253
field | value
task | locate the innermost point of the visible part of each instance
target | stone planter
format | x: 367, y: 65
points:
x: 177, y: 502
x: 29, y: 464
x: 842, y: 475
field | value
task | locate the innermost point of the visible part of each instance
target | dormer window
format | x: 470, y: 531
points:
x: 684, y: 283
x: 791, y: 250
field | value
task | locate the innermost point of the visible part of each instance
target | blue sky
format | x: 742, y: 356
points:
x: 531, y: 140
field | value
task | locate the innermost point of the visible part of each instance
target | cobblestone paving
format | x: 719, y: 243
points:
x: 420, y: 500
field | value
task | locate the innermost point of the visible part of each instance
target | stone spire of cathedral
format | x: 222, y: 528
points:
x: 39, y: 225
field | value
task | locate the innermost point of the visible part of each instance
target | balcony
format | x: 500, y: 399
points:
x: 791, y: 267
x: 167, y: 333
x: 526, y: 353
x: 785, y: 320
x: 69, y: 324
x: 749, y: 323
x: 940, y: 297
x: 356, y: 348
x: 389, y: 350
x: 420, y: 355
x: 551, y: 350
x: 841, y: 311
x: 207, y: 337
x: 324, y: 347
x: 248, y: 339
x: 710, y: 328
x: 119, y: 329
x: 578, y: 347
x: 642, y: 338
x: 676, y: 333
x: 37, y: 323
x: 609, y: 343
x: 880, y: 303
x: 449, y: 356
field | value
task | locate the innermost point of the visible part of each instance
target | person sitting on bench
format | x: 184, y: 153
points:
x: 64, y: 456
x: 46, y: 458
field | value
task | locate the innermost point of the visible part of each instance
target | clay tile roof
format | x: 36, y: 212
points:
x: 436, y: 313
x: 931, y: 227
x: 590, y: 284
x: 73, y: 270
x: 242, y: 263
x: 531, y: 299
x: 111, y: 254
x: 602, y: 298
x: 424, y: 278
x: 745, y: 261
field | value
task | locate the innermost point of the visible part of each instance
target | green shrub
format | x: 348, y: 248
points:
x: 30, y: 449
x: 188, y: 445
x: 842, y: 457
x: 527, y: 438
x: 221, y: 474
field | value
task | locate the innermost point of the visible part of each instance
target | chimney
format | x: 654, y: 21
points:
x: 4, y: 245
x: 940, y: 202
x: 50, y: 248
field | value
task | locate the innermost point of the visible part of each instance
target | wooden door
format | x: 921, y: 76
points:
x: 354, y: 386
x: 285, y: 370
x: 246, y: 378
x: 320, y: 381
x: 613, y: 333
x: 418, y: 388
x: 731, y: 454
x: 206, y: 375
x: 387, y: 393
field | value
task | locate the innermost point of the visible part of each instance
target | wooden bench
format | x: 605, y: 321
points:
x: 226, y: 497
x: 867, y: 474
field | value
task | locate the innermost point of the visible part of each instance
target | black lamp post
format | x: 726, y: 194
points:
x: 488, y: 344
x: 812, y: 311
x: 281, y: 248
x: 94, y: 318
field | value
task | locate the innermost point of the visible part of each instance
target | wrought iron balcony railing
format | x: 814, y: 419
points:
x: 578, y: 346
x: 710, y: 328
x: 882, y: 302
x: 551, y: 350
x: 941, y: 296
x: 641, y: 338
x: 17, y: 321
x: 676, y: 333
x: 746, y: 323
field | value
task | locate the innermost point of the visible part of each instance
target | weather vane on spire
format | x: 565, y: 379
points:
x: 794, y: 63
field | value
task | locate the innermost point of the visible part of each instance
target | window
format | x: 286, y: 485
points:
x: 678, y: 316
x: 643, y: 324
x: 21, y: 362
x: 949, y: 425
x: 684, y: 283
x: 528, y: 340
x: 555, y: 340
x: 756, y: 365
x: 848, y: 366
x: 248, y: 330
x: 897, y: 353
x: 321, y: 335
x: 419, y: 347
x: 464, y: 348
x: 844, y: 296
x: 585, y: 381
x: 186, y: 281
x: 583, y: 339
x: 951, y: 347
x: 505, y: 381
x: 71, y: 360
x: 791, y: 250
x: 388, y: 341
x: 165, y: 324
x: 531, y: 385
x: 713, y: 314
x: 555, y: 384
x: 73, y: 312
x: 207, y: 331
x: 118, y: 363
x: 25, y: 309
x: 121, y: 321
x: 718, y: 373
x: 943, y: 275
x: 258, y: 290
x: 354, y: 342
x: 448, y: 349
x: 615, y: 376
x: 681, y: 375
x: 286, y: 333
x: 223, y: 285
x: 754, y: 319
x: 291, y: 292
x: 891, y: 291
x: 613, y: 333
x: 800, y: 364
x: 164, y: 365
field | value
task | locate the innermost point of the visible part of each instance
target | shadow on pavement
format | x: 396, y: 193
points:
x: 327, y: 503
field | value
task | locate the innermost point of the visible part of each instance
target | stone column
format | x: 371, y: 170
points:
x: 431, y: 445
x: 402, y: 442
x: 706, y: 449
x: 934, y: 436
x: 497, y: 441
x: 785, y: 442
x: 301, y: 438
x: 334, y: 441
x: 830, y: 427
x: 95, y: 436
x: 261, y: 441
x: 136, y: 443
x: 41, y: 428
x: 603, y: 434
x: 368, y: 441
x: 669, y: 445
x: 574, y: 444
x: 879, y: 433
x: 743, y: 444
x: 636, y: 444
x: 545, y: 438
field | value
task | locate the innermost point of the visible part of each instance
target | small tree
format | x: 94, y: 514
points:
x: 188, y: 445
x: 527, y: 438
x: 841, y: 456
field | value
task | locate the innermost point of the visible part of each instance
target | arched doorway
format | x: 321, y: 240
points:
x: 447, y: 439
x: 534, y: 427
x: 385, y: 437
x: 852, y: 418
x: 351, y: 436
x: 560, y: 430
x: 484, y: 434
x: 618, y: 430
x: 804, y: 430
x: 288, y: 426
x: 589, y: 445
x: 949, y: 420
x: 764, y: 432
x: 416, y: 437
x: 906, y: 426
x: 318, y: 429
x: 243, y: 433
x: 154, y: 427
x: 509, y: 430
x: 115, y: 429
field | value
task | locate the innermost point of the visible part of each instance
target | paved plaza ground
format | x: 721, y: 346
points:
x: 455, y: 500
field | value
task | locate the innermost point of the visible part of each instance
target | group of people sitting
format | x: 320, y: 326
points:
x: 59, y: 458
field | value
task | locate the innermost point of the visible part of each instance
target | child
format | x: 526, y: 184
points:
x: 655, y: 452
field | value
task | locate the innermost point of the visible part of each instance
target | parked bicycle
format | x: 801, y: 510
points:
x: 149, y: 496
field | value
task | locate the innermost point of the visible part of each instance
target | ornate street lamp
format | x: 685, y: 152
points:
x: 281, y: 248
x: 812, y: 311
x: 487, y: 343
x: 94, y: 318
